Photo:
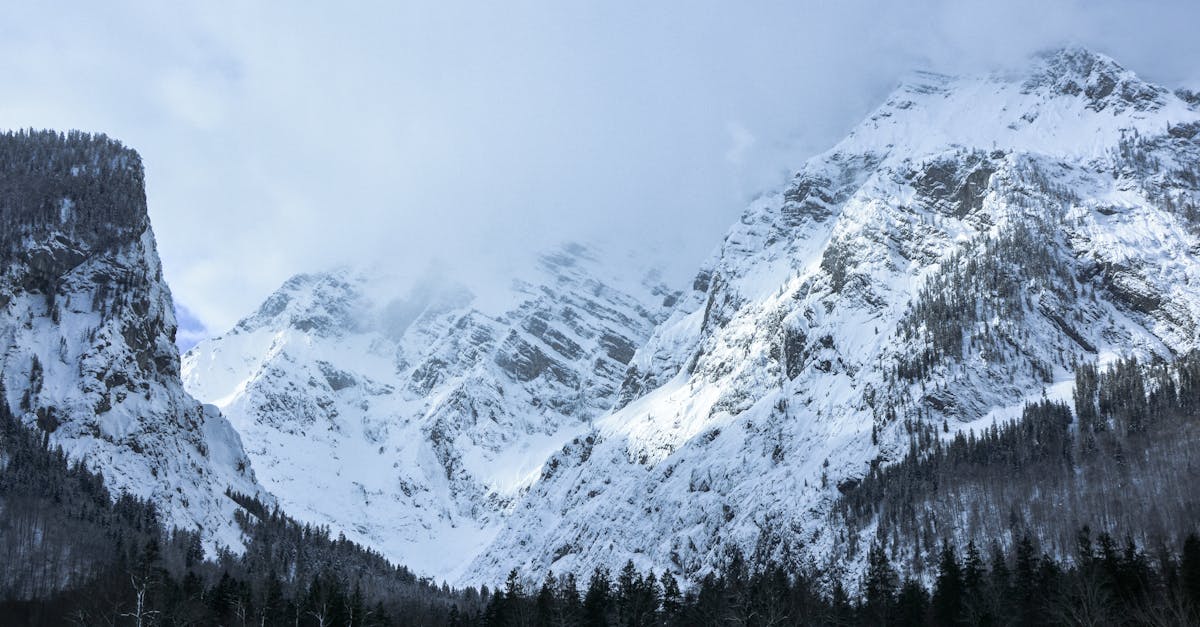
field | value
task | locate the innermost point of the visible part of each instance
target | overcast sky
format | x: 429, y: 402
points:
x: 291, y: 136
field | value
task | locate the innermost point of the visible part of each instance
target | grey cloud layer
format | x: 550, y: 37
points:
x: 281, y: 138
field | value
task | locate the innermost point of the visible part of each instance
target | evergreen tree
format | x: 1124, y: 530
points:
x: 840, y: 610
x: 629, y: 583
x: 911, y: 605
x: 546, y: 608
x: 948, y: 592
x: 977, y: 604
x: 1025, y: 580
x: 879, y: 587
x: 672, y: 598
x: 569, y: 603
x: 597, y: 601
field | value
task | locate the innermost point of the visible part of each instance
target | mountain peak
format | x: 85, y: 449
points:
x: 1076, y: 58
x: 971, y: 242
x: 324, y: 302
x: 1095, y: 77
x: 1067, y: 102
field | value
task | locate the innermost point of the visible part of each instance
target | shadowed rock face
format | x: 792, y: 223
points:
x: 1100, y: 80
x: 956, y: 186
x: 525, y: 362
x: 87, y: 330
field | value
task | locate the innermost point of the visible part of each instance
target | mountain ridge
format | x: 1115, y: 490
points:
x: 834, y: 313
x: 425, y: 406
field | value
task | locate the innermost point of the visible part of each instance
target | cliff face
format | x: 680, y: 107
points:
x: 87, y: 331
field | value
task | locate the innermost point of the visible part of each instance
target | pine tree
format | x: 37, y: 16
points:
x: 356, y: 607
x: 273, y: 605
x: 629, y: 583
x: 649, y: 600
x: 598, y: 599
x: 1025, y: 579
x: 911, y: 605
x: 977, y: 604
x: 879, y: 586
x: 546, y: 606
x: 948, y: 592
x: 568, y: 600
x: 1189, y: 571
x: 974, y: 570
x: 511, y: 606
x: 672, y: 597
x: 841, y: 612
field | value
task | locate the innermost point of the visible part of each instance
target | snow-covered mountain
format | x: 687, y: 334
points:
x: 412, y: 422
x: 87, y: 332
x: 959, y: 252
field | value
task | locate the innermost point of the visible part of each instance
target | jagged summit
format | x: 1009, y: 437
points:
x: 324, y: 303
x: 1097, y: 78
x: 1070, y: 71
x: 1068, y: 101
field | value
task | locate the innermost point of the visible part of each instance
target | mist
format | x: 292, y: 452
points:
x: 290, y: 137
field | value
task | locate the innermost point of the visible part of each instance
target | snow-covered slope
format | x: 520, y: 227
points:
x: 411, y: 423
x: 960, y: 251
x: 87, y: 331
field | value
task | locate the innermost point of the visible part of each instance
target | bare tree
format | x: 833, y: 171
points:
x: 140, y: 614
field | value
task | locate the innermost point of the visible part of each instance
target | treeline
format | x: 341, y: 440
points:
x: 1124, y: 455
x: 1103, y: 583
x: 74, y: 555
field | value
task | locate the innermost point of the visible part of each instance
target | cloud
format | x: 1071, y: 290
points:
x: 288, y: 137
x: 190, y: 330
x: 193, y: 99
x: 740, y: 142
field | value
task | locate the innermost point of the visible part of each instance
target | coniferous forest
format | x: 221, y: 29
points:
x: 1120, y: 456
x: 76, y: 554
